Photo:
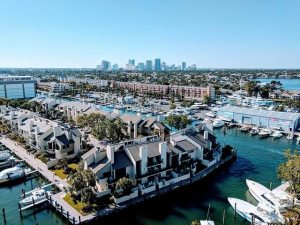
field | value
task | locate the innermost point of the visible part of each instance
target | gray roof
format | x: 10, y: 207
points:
x: 150, y: 122
x: 64, y: 140
x: 185, y: 145
x: 121, y: 160
x: 95, y: 167
x: 261, y: 112
x: 130, y: 118
x: 153, y: 150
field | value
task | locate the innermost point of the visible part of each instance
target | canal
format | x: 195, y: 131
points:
x: 257, y: 160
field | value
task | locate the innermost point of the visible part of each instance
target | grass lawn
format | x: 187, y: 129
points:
x: 60, y: 172
x: 78, y: 206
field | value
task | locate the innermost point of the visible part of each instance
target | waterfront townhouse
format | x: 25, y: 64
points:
x: 151, y: 163
x: 58, y: 140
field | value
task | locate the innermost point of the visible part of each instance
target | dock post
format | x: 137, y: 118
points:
x: 252, y: 220
x: 224, y: 216
x: 79, y: 219
x: 33, y: 205
x: 20, y: 210
x: 73, y: 220
x: 4, y: 216
x: 68, y: 215
x: 207, y: 216
x: 234, y: 210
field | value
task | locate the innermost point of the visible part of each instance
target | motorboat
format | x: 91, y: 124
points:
x: 290, y: 136
x: 298, y: 140
x: 261, y: 214
x: 277, y: 199
x: 225, y: 119
x: 264, y: 133
x: 210, y: 114
x: 37, y: 196
x: 13, y: 173
x: 218, y: 123
x: 207, y: 222
x: 244, y: 128
x: 254, y: 131
x: 277, y: 134
x: 4, y: 155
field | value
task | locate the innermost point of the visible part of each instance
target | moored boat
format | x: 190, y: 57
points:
x: 210, y: 114
x: 12, y: 174
x: 264, y: 133
x: 207, y: 222
x: 218, y: 123
x: 37, y: 196
x: 277, y: 134
x: 254, y: 131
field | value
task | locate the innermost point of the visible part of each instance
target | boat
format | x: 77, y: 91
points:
x: 264, y: 133
x: 37, y: 196
x: 298, y: 140
x: 207, y: 222
x: 13, y: 173
x: 254, y: 131
x: 261, y: 214
x: 218, y: 123
x: 4, y: 155
x: 211, y: 114
x: 290, y: 136
x: 225, y: 119
x: 277, y: 134
x: 276, y: 199
x: 244, y: 128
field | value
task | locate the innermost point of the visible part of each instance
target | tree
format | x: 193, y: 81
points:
x: 250, y: 87
x: 178, y: 121
x: 125, y: 184
x: 206, y: 99
x: 290, y: 170
x: 195, y: 222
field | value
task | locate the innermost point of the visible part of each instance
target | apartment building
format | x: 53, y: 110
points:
x: 187, y: 92
x: 151, y: 163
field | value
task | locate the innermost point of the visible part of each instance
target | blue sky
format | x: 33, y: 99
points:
x: 209, y: 33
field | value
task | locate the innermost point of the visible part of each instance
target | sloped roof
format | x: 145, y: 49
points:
x: 121, y: 160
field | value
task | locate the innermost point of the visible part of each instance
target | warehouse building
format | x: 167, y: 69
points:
x: 17, y: 87
x: 286, y: 121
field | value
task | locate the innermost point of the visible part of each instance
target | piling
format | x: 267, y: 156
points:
x: 207, y: 216
x: 4, y: 215
x: 224, y: 216
x: 234, y: 210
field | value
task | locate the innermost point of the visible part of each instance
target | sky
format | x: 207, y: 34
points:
x: 208, y: 33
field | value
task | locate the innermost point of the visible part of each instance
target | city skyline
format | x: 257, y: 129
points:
x: 74, y: 34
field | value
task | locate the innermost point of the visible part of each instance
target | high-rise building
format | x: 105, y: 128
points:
x: 105, y: 65
x: 183, y: 66
x: 141, y: 66
x: 157, y: 64
x: 149, y: 65
x: 131, y: 62
x: 115, y: 67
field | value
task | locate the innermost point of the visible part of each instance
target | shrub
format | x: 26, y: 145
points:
x: 87, y: 208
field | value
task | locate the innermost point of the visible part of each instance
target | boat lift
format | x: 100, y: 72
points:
x: 34, y: 203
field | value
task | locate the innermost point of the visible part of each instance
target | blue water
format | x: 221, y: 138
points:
x: 257, y: 160
x: 288, y: 84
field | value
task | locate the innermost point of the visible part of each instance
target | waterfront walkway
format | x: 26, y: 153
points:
x: 34, y: 163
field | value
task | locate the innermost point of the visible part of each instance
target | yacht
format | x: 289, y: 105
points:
x: 277, y: 134
x: 211, y: 114
x: 261, y: 214
x: 276, y: 199
x: 37, y: 195
x: 206, y: 222
x: 13, y: 173
x: 218, y: 123
x: 254, y: 131
x: 4, y: 155
x: 264, y: 133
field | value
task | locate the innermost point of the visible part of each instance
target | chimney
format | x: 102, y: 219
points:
x: 56, y: 131
x: 30, y: 125
x: 163, y: 153
x: 135, y: 130
x: 110, y: 152
x: 144, y: 159
x: 129, y: 129
x: 206, y: 135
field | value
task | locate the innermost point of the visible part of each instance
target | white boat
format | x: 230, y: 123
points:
x: 206, y: 222
x: 13, y: 173
x: 211, y: 114
x: 224, y: 118
x: 218, y: 123
x: 277, y: 134
x: 4, y: 155
x: 264, y: 133
x: 37, y: 195
x: 261, y: 214
x: 290, y: 136
x: 298, y: 140
x: 254, y: 131
x: 276, y: 199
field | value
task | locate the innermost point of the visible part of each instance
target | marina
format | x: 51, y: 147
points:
x: 247, y: 157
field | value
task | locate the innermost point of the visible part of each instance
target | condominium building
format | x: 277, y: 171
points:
x: 17, y: 87
x: 187, y: 92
